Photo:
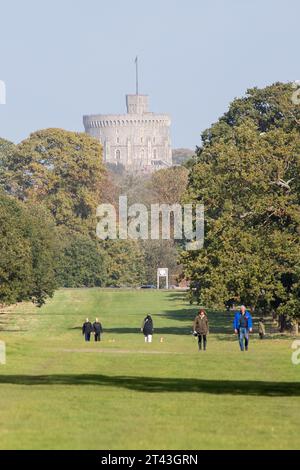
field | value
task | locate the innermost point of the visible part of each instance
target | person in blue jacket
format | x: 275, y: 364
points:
x: 243, y: 326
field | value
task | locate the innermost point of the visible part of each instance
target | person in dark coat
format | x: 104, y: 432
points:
x: 87, y: 329
x: 147, y: 328
x: 201, y: 329
x: 261, y: 328
x: 97, y: 328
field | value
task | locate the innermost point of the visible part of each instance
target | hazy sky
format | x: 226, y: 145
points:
x: 61, y: 59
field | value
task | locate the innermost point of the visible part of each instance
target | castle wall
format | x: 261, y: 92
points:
x: 138, y: 139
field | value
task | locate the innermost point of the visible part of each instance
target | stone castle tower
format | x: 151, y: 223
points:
x: 139, y: 140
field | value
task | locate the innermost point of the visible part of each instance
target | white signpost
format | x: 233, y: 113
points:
x: 163, y: 272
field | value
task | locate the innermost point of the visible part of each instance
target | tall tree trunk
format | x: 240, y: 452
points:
x: 282, y: 323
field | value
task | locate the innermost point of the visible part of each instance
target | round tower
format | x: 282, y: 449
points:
x: 140, y: 140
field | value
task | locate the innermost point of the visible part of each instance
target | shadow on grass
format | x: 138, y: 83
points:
x: 160, y: 385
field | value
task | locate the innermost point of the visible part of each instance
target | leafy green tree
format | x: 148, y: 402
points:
x: 27, y: 258
x: 82, y: 262
x: 63, y: 170
x: 247, y: 175
x: 168, y: 185
x: 41, y: 229
x: 125, y: 263
x: 16, y: 273
x: 6, y: 150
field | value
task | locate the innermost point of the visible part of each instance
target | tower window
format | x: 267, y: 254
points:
x: 155, y: 154
x: 118, y: 155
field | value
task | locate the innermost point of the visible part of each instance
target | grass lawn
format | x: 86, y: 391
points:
x: 58, y: 392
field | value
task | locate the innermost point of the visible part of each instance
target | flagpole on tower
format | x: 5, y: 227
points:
x: 137, y: 75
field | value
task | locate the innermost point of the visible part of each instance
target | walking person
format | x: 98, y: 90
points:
x: 147, y: 328
x: 201, y: 329
x: 98, y: 330
x: 87, y: 329
x: 261, y: 328
x: 243, y: 326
